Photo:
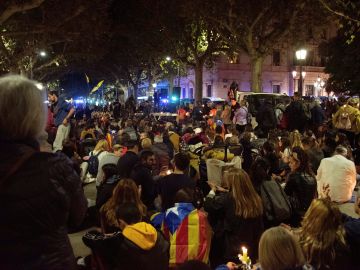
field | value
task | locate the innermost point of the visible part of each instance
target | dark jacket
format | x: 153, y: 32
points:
x: 266, y: 117
x: 117, y: 252
x: 231, y: 231
x: 38, y: 203
x: 105, y: 191
x: 296, y: 116
x: 317, y: 115
x: 352, y: 229
x: 126, y: 163
x: 315, y: 156
x: 301, y: 190
x: 162, y: 155
x: 169, y: 185
x: 142, y: 176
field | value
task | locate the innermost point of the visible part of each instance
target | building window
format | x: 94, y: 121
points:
x: 310, y: 58
x: 209, y: 90
x: 183, y: 94
x: 276, y: 89
x: 309, y: 90
x: 191, y: 93
x: 276, y: 58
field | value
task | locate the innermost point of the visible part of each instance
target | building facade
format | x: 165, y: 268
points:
x: 278, y: 74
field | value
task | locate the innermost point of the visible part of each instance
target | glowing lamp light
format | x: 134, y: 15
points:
x: 174, y: 98
x: 154, y: 85
x: 301, y: 54
x: 42, y: 53
x: 39, y: 86
x: 168, y: 58
x: 164, y: 100
x: 303, y: 74
x: 294, y: 73
x: 97, y: 103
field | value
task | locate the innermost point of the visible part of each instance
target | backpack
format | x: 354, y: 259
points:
x: 277, y: 207
x: 93, y: 163
x: 343, y: 121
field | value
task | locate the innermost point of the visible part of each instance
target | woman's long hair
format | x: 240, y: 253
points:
x: 301, y: 156
x: 295, y: 139
x: 279, y: 250
x: 125, y: 191
x: 321, y: 233
x: 248, y: 203
x: 102, y: 145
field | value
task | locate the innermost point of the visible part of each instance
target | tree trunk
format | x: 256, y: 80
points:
x: 256, y: 72
x: 171, y: 84
x: 199, y: 81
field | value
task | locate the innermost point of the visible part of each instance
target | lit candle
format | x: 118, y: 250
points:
x: 244, y: 253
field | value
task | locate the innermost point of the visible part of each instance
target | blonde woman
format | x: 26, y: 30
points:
x: 88, y: 174
x: 322, y: 237
x: 280, y: 250
x: 295, y: 139
x: 125, y: 191
x: 235, y: 214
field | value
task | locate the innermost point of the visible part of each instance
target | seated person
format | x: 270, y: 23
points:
x: 136, y: 246
x: 169, y: 185
x: 109, y: 182
x: 186, y: 228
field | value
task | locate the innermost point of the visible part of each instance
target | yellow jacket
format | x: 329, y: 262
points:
x: 354, y: 116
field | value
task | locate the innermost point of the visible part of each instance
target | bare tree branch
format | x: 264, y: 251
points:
x: 339, y: 13
x: 16, y: 8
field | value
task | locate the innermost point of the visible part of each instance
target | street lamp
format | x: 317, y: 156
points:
x: 319, y: 84
x: 294, y: 73
x: 42, y: 53
x: 301, y: 56
x: 168, y: 58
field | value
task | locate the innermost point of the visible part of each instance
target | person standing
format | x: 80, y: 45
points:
x: 62, y: 112
x: 266, y: 118
x: 240, y: 117
x: 347, y: 120
x: 295, y: 114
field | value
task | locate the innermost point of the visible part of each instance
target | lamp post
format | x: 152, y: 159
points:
x: 294, y: 73
x: 319, y: 85
x: 301, y: 56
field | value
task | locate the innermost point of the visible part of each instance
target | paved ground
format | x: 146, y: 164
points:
x: 90, y: 191
x: 79, y: 248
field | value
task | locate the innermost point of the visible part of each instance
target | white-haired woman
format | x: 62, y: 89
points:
x: 40, y: 193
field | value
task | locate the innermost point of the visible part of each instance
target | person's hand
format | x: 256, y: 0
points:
x: 212, y: 185
x: 221, y: 189
x: 231, y: 266
x: 275, y: 177
x: 65, y: 122
x: 325, y: 191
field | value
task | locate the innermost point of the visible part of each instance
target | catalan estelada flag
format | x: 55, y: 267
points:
x: 87, y: 78
x: 96, y: 87
x: 188, y: 232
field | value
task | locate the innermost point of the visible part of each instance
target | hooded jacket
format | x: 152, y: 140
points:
x: 138, y: 246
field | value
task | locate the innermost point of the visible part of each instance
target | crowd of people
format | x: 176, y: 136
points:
x: 275, y: 203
